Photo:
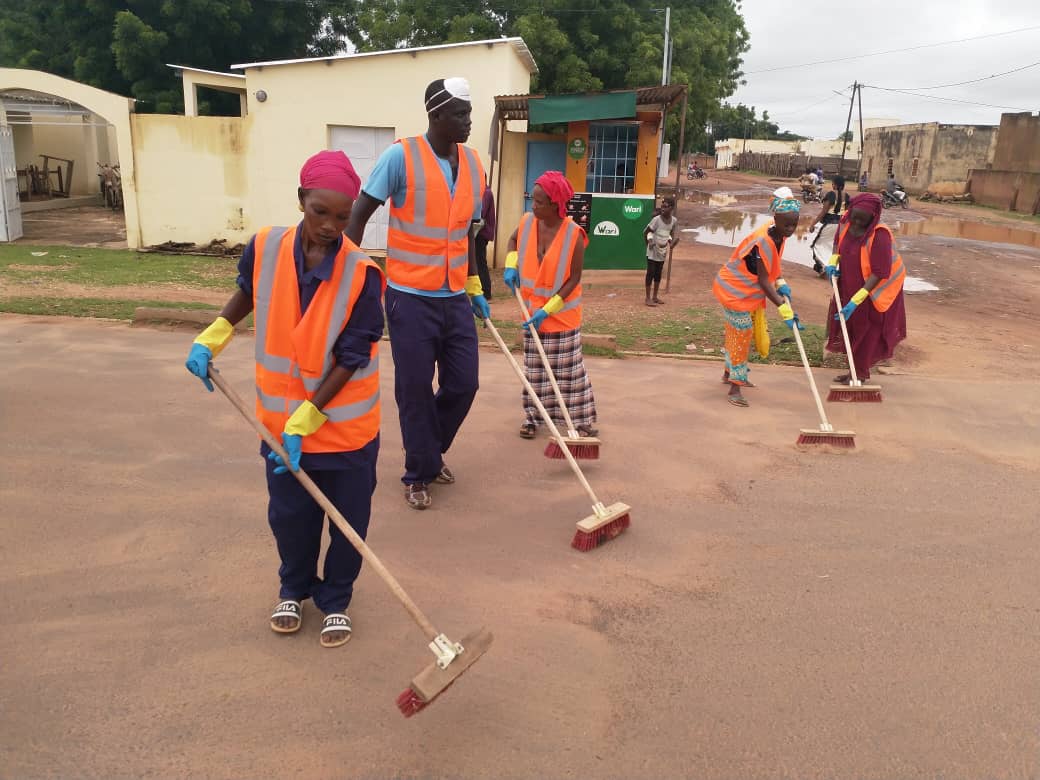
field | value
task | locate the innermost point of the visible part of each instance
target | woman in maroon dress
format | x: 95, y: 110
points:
x: 876, y: 291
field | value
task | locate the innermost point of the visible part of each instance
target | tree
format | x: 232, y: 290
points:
x: 740, y: 121
x: 846, y: 136
x: 123, y: 47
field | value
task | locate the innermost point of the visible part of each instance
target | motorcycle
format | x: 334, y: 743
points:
x: 810, y: 194
x: 695, y: 173
x: 895, y: 198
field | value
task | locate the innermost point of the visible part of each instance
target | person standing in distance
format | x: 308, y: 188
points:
x: 434, y: 186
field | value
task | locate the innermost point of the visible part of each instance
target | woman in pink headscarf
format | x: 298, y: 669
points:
x: 544, y: 261
x: 870, y: 284
x: 316, y: 300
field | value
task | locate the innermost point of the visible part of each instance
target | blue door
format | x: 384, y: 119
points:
x: 542, y: 156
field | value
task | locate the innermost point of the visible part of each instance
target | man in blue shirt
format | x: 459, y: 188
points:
x: 431, y: 324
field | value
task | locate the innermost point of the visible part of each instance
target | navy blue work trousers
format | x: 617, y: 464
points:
x: 296, y: 520
x: 428, y: 333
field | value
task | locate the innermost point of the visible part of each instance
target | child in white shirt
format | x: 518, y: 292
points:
x: 660, y: 235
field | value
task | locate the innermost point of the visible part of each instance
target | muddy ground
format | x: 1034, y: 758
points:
x: 772, y: 612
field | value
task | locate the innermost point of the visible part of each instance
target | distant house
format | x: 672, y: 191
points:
x: 1012, y: 180
x: 929, y: 156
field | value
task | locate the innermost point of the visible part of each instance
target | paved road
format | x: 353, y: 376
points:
x: 771, y: 613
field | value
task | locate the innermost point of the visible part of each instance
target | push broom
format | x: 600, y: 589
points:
x: 582, y: 448
x: 855, y: 390
x: 605, y: 522
x: 825, y: 434
x: 453, y: 658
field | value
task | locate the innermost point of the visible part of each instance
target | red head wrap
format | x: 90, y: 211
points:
x: 865, y: 201
x: 558, y: 189
x: 330, y: 171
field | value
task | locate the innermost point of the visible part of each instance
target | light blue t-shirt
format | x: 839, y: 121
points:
x: 389, y: 181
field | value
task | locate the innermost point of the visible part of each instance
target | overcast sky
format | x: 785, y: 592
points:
x: 791, y: 34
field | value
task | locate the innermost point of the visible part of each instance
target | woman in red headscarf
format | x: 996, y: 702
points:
x: 870, y: 284
x: 318, y: 315
x: 544, y: 261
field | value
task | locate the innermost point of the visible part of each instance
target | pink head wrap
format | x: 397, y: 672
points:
x: 865, y: 201
x: 330, y: 171
x: 558, y: 189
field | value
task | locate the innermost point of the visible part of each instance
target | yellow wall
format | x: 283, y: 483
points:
x: 115, y: 109
x: 387, y: 90
x: 646, y: 152
x: 577, y: 170
x: 66, y: 137
x: 191, y: 177
x: 509, y: 197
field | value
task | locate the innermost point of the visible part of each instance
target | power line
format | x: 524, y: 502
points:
x: 892, y: 51
x: 975, y: 81
x: 945, y: 99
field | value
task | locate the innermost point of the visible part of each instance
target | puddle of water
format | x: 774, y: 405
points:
x: 721, y: 199
x: 972, y: 231
x: 728, y: 228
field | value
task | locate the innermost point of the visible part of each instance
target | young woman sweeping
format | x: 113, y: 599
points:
x: 544, y: 260
x: 317, y: 303
x: 747, y: 281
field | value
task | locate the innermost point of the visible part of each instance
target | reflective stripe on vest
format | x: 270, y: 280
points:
x: 428, y: 237
x: 540, y: 281
x: 887, y: 289
x: 293, y: 351
x: 735, y: 286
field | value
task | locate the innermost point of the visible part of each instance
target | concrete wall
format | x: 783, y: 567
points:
x: 72, y: 138
x: 304, y: 99
x: 1012, y: 190
x: 115, y: 109
x: 727, y: 150
x: 1018, y: 143
x: 509, y: 195
x: 192, y: 180
x: 944, y: 153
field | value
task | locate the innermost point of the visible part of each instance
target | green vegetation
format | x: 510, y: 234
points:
x: 112, y: 267
x: 104, y: 308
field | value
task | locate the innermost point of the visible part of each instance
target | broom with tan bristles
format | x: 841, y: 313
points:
x: 826, y: 434
x: 581, y: 447
x: 605, y: 522
x: 453, y: 658
x: 855, y: 390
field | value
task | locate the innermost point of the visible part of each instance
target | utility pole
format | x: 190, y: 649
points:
x: 862, y: 145
x: 666, y: 65
x: 848, y: 124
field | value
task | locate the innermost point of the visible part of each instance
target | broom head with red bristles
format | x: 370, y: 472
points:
x: 581, y: 447
x: 815, y: 437
x: 855, y: 393
x: 432, y: 681
x: 600, y: 527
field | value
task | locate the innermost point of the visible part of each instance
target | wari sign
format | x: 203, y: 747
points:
x: 632, y: 208
x: 606, y: 228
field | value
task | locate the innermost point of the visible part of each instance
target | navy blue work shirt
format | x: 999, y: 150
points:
x: 352, y: 348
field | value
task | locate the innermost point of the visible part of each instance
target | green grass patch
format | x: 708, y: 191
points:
x: 108, y: 308
x: 112, y: 267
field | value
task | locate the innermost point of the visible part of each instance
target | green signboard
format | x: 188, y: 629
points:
x: 616, y: 231
x: 576, y: 148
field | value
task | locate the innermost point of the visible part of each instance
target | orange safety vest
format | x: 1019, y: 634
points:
x: 735, y: 286
x: 428, y: 237
x: 887, y: 289
x: 540, y: 281
x: 294, y: 351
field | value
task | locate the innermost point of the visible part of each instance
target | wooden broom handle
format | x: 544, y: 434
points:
x: 571, y: 430
x: 845, y: 334
x: 334, y: 514
x: 541, y: 409
x: 808, y: 373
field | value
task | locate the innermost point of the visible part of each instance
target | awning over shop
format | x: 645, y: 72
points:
x: 577, y: 108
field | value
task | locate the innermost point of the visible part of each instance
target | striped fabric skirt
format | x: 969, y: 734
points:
x: 564, y: 352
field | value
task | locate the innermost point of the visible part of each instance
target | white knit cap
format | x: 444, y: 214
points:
x: 455, y: 88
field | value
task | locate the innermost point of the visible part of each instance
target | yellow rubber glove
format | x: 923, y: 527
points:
x: 305, y: 420
x: 512, y: 259
x: 473, y: 286
x: 785, y: 311
x: 216, y: 336
x: 860, y: 295
x: 553, y: 305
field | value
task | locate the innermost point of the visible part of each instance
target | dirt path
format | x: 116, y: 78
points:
x: 771, y: 613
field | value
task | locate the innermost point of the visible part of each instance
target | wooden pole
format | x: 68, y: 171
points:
x: 678, y: 171
x: 862, y: 145
x: 848, y: 124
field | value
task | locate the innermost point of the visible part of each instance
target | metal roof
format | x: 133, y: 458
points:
x: 517, y: 43
x: 664, y: 96
x: 207, y: 72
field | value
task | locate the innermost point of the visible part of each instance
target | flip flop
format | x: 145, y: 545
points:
x: 746, y: 384
x: 336, y: 622
x: 287, y: 608
x: 737, y: 400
